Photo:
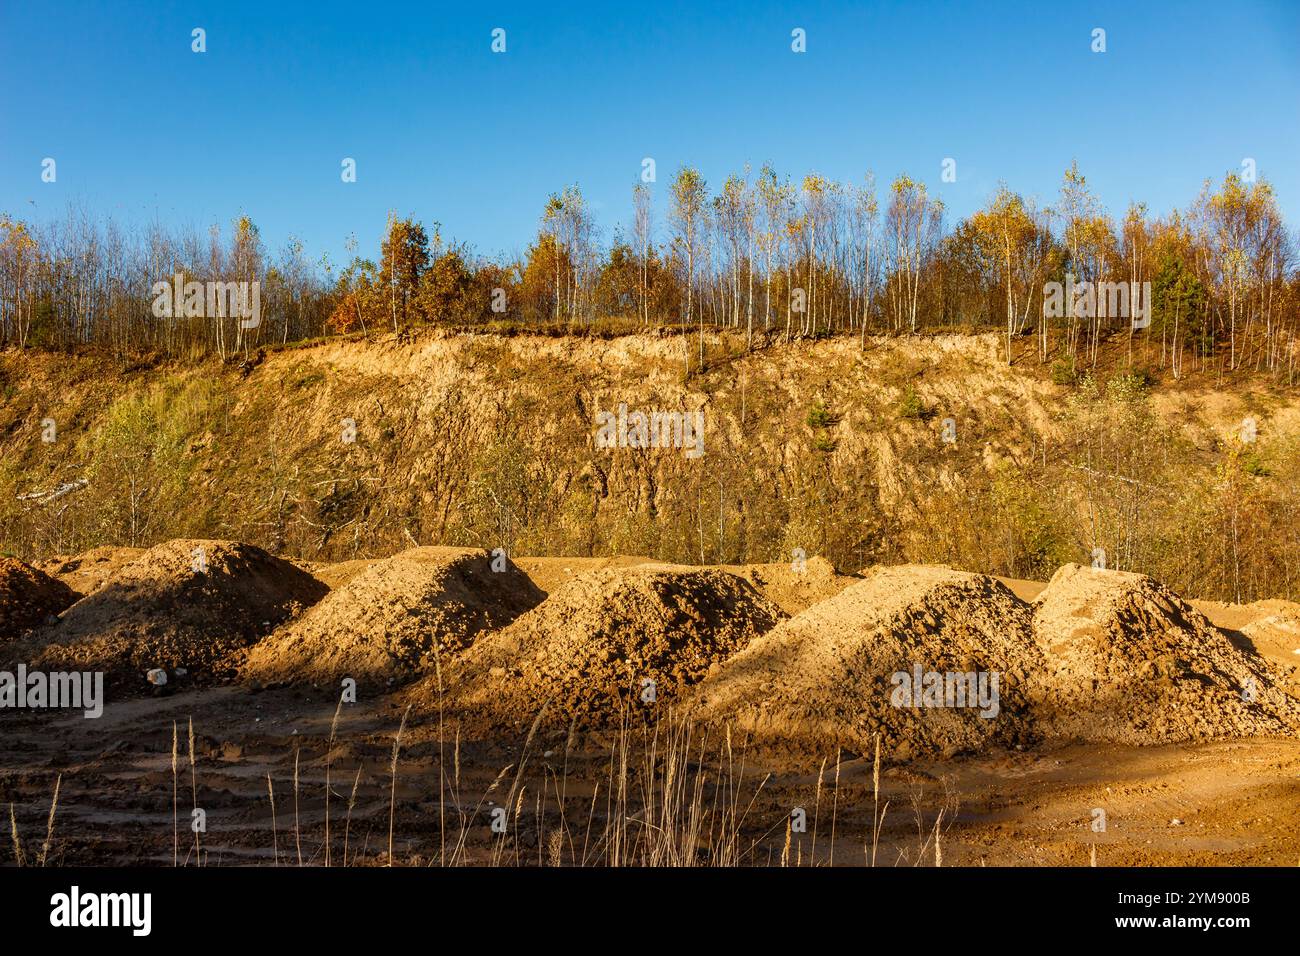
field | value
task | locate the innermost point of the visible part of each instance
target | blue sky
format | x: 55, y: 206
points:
x: 445, y: 130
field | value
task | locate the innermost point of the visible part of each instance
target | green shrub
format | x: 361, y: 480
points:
x: 911, y: 406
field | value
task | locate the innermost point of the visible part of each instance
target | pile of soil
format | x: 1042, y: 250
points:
x: 86, y: 572
x: 1129, y: 661
x: 550, y: 573
x: 1269, y: 628
x: 792, y: 588
x: 339, y: 573
x: 384, y: 623
x: 826, y: 677
x: 28, y: 597
x: 587, y: 650
x: 189, y: 603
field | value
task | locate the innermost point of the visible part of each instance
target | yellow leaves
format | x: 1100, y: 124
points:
x: 904, y: 183
x: 814, y: 185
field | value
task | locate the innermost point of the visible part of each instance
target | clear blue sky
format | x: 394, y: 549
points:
x: 445, y: 130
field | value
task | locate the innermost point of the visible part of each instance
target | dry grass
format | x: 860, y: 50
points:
x: 670, y: 796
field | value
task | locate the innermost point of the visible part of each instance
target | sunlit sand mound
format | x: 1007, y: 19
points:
x: 847, y: 669
x: 550, y: 573
x: 1269, y: 628
x: 608, y: 642
x: 28, y: 597
x: 1127, y: 660
x: 189, y: 603
x: 87, y: 572
x: 338, y: 573
x: 386, y: 622
x: 794, y: 586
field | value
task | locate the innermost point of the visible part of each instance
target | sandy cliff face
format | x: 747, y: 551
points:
x: 920, y: 449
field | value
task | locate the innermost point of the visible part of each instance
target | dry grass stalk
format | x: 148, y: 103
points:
x: 392, y: 796
x: 49, y: 824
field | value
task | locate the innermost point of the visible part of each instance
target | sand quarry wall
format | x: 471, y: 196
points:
x: 263, y: 448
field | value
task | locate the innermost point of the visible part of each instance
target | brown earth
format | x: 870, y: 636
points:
x: 1097, y: 665
x: 551, y: 573
x: 27, y: 597
x: 826, y: 674
x: 794, y: 588
x: 588, y: 650
x: 158, y: 611
x: 387, y: 621
x: 789, y: 587
x: 1270, y: 629
x: 338, y: 573
x: 87, y: 572
x: 1130, y: 661
x: 1235, y: 801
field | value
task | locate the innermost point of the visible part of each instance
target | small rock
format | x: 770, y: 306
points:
x: 156, y: 676
x: 1175, y: 822
x: 497, y: 672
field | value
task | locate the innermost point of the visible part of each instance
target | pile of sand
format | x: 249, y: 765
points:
x: 1269, y: 628
x: 28, y: 597
x: 550, y: 573
x: 385, y: 622
x: 189, y: 603
x: 589, y: 648
x: 87, y: 572
x: 338, y: 573
x: 826, y: 676
x: 794, y: 588
x: 1129, y: 661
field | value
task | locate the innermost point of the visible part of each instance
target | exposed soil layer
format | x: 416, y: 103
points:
x: 387, y: 622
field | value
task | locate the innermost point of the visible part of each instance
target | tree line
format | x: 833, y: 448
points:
x: 761, y: 253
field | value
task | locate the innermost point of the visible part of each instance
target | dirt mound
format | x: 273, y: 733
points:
x: 848, y: 668
x: 87, y: 572
x: 385, y: 622
x: 339, y: 573
x: 1129, y: 661
x: 189, y: 603
x: 1269, y: 628
x: 550, y: 573
x: 28, y: 597
x: 590, y: 647
x: 791, y: 588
